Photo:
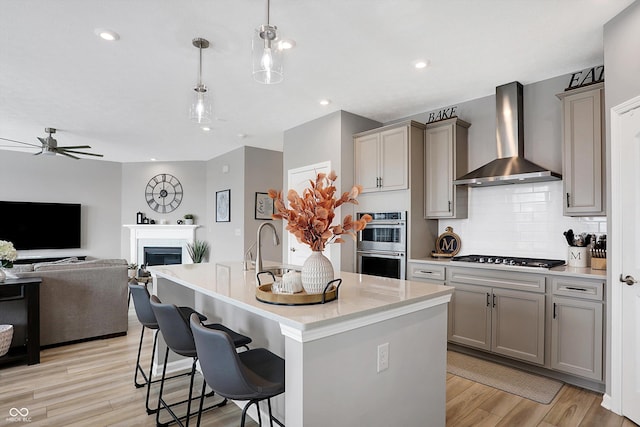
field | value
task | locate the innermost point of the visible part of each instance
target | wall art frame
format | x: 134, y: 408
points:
x: 264, y: 206
x: 223, y: 206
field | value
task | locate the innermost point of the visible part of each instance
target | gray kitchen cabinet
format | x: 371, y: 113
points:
x: 445, y: 160
x: 490, y: 310
x: 577, y: 327
x: 382, y: 156
x: 583, y: 151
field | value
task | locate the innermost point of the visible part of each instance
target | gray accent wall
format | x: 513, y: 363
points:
x: 328, y: 138
x: 244, y: 171
x: 92, y: 183
x: 135, y: 176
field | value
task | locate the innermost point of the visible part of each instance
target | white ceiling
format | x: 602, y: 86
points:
x: 129, y: 99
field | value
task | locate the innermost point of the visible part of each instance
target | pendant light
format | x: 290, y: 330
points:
x: 267, y: 54
x: 200, y: 111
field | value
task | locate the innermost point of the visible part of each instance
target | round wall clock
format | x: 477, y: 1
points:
x: 163, y: 193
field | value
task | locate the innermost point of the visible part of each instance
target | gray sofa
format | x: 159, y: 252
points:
x: 80, y: 299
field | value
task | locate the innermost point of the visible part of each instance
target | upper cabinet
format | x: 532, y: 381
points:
x: 382, y: 156
x: 445, y: 160
x: 583, y: 151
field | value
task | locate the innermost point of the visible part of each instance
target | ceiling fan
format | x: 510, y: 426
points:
x: 49, y: 146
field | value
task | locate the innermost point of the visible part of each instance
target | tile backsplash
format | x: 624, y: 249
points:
x: 519, y: 220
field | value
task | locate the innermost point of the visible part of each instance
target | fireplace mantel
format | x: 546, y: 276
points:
x: 160, y: 235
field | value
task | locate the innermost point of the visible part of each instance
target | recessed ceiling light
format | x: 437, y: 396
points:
x: 242, y: 135
x: 287, y: 44
x: 325, y: 102
x: 153, y: 159
x: 420, y: 64
x: 107, y: 34
x: 205, y: 128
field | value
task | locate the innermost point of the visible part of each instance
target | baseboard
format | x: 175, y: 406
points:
x: 101, y: 337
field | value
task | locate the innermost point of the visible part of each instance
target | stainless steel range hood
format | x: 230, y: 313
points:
x: 510, y: 167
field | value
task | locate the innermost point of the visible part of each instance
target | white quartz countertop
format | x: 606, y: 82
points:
x: 359, y: 295
x: 563, y: 270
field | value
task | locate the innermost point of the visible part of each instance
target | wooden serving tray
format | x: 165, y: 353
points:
x: 264, y: 294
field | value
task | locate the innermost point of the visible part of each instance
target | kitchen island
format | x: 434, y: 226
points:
x: 332, y: 350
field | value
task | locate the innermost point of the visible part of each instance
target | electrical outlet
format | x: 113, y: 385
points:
x: 383, y: 357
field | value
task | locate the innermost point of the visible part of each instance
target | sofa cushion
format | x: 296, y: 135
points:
x: 71, y: 265
x: 37, y: 265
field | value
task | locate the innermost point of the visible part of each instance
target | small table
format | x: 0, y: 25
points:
x: 20, y: 307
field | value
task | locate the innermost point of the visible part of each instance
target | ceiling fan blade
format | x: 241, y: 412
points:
x: 19, y: 142
x: 62, y: 151
x: 74, y: 146
x: 68, y: 155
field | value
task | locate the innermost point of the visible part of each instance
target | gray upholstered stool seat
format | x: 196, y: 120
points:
x: 175, y: 329
x: 144, y: 313
x: 253, y: 375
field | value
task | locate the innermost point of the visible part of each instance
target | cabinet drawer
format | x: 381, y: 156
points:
x: 497, y: 279
x: 426, y: 271
x: 578, y: 288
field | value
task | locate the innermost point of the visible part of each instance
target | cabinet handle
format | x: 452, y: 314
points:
x: 568, y: 204
x: 425, y: 272
x: 488, y: 303
x: 449, y: 205
x: 571, y: 288
x: 494, y: 300
x: 554, y: 310
x: 380, y: 182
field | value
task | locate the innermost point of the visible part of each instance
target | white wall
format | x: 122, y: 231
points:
x: 92, y: 183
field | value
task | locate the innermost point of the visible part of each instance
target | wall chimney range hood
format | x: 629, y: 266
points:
x: 510, y: 167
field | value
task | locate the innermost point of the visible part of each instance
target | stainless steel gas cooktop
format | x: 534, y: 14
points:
x: 506, y: 260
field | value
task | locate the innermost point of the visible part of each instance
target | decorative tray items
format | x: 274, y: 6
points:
x: 289, y: 291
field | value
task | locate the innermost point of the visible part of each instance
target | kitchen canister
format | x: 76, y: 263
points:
x: 578, y: 256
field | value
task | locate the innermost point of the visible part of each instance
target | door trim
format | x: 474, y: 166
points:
x: 613, y: 399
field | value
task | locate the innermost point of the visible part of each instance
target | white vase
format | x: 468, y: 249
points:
x: 3, y: 276
x: 317, y: 272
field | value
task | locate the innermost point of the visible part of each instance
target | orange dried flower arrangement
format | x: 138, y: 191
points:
x: 309, y: 217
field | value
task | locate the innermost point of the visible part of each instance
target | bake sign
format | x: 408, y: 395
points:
x: 586, y: 77
x: 445, y: 113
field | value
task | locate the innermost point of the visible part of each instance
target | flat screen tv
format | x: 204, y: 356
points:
x: 34, y: 225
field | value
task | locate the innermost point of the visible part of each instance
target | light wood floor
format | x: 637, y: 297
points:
x: 91, y: 384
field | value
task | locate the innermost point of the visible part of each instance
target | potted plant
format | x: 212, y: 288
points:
x: 132, y: 269
x: 197, y: 250
x: 188, y: 219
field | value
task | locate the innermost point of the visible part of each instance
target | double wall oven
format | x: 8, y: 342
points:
x: 382, y: 245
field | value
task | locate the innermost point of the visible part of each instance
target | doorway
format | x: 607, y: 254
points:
x: 625, y: 260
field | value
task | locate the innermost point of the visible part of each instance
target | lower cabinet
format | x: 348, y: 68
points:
x: 576, y: 328
x: 503, y: 321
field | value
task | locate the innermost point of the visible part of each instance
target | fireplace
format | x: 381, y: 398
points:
x: 169, y: 242
x: 162, y: 255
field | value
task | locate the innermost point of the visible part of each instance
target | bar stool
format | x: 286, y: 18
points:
x: 177, y: 334
x: 144, y: 313
x: 254, y: 375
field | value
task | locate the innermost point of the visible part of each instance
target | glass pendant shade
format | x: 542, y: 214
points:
x: 200, y: 111
x: 267, y: 55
